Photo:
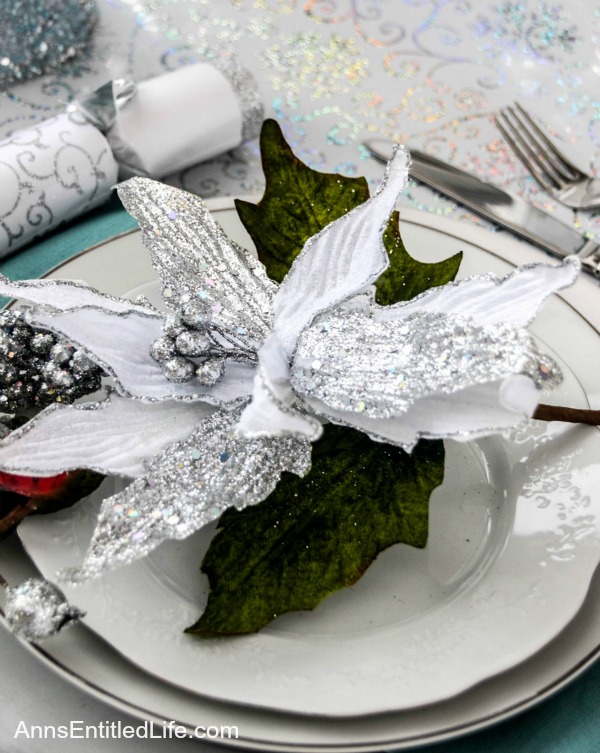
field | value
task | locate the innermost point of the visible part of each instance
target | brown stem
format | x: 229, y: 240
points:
x: 16, y: 515
x: 571, y: 415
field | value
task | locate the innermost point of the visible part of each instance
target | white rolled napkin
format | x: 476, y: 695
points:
x: 50, y: 173
x: 175, y: 121
x: 64, y: 166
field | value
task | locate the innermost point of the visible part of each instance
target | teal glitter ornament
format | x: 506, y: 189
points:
x: 39, y: 36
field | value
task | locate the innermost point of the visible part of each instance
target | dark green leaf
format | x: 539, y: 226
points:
x: 297, y: 203
x: 315, y: 535
x: 406, y: 277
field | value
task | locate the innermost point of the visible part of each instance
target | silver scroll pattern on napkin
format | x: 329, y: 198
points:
x: 50, y: 173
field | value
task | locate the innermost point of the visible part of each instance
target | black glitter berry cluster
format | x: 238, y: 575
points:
x: 38, y: 368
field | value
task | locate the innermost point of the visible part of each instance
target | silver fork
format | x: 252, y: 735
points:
x: 552, y: 170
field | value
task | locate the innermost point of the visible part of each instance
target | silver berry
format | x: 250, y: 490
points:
x: 61, y: 353
x: 172, y: 325
x: 162, y: 349
x: 196, y: 314
x: 192, y: 343
x: 42, y: 342
x: 38, y: 609
x: 210, y: 372
x: 179, y: 369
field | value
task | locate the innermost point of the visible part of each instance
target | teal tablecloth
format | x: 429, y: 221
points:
x: 36, y: 259
x: 569, y: 722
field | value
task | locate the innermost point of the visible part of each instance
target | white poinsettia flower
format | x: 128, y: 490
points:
x: 213, y: 401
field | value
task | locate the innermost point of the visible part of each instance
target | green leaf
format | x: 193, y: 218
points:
x: 406, y: 277
x: 297, y: 203
x: 318, y: 534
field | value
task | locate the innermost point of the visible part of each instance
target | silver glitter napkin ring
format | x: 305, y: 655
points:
x: 454, y: 362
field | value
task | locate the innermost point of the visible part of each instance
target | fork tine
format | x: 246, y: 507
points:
x: 534, y: 150
x: 562, y: 165
x: 522, y: 150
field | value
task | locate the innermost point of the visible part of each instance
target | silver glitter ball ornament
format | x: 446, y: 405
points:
x: 210, y: 372
x: 62, y: 378
x: 41, y: 343
x: 81, y: 364
x: 179, y: 369
x: 61, y: 353
x: 192, y: 343
x: 196, y: 314
x: 8, y: 373
x: 162, y: 349
x: 38, y: 609
x: 37, y: 369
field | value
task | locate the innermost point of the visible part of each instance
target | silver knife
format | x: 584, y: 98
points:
x: 497, y: 205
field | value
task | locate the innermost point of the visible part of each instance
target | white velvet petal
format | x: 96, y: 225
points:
x: 478, y: 411
x: 341, y: 260
x: 120, y: 343
x: 514, y: 299
x: 67, y: 294
x: 112, y: 437
x: 271, y: 411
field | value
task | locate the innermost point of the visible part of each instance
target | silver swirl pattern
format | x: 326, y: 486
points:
x: 50, y: 173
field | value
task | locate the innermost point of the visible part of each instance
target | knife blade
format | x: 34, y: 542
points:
x: 497, y: 205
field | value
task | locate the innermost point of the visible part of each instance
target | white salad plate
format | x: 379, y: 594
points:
x: 513, y: 546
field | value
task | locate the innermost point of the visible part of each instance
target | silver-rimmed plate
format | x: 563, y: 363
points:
x: 576, y: 390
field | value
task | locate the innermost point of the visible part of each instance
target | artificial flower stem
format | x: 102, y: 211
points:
x: 570, y: 415
x: 16, y: 515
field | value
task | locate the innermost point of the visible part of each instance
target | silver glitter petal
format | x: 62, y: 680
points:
x: 352, y: 363
x: 187, y: 486
x: 37, y: 609
x: 195, y: 260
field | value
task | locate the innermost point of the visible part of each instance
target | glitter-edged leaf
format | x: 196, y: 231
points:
x: 318, y: 534
x: 194, y: 257
x: 188, y: 485
x: 298, y: 202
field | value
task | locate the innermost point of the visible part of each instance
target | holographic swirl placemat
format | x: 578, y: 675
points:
x: 425, y: 72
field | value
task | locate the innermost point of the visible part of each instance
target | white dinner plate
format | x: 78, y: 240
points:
x: 513, y: 546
